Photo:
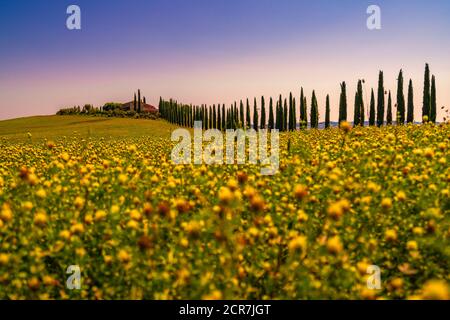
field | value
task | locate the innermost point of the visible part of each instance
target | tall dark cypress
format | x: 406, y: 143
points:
x: 362, y: 117
x: 219, y: 118
x: 236, y: 115
x: 241, y: 114
x: 372, y: 109
x: 285, y: 116
x: 426, y: 106
x: 302, y: 110
x: 214, y: 117
x: 410, y: 116
x: 211, y: 124
x: 389, y: 110
x: 380, y: 100
x: 255, y: 115
x: 227, y: 117
x: 433, y: 100
x: 356, y: 111
x: 139, y: 101
x: 233, y: 116
x: 294, y: 115
x: 134, y: 102
x: 400, y: 100
x: 263, y: 113
x: 271, y: 120
x: 279, y: 112
x: 277, y: 116
x: 291, y: 120
x: 327, y: 112
x: 305, y: 110
x: 343, y: 103
x: 314, y: 111
x: 247, y: 114
x: 224, y: 118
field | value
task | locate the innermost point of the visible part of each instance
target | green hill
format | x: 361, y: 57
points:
x: 50, y: 127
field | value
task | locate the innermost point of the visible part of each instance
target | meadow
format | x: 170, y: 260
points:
x: 102, y: 193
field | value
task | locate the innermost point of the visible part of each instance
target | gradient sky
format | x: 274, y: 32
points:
x: 211, y: 51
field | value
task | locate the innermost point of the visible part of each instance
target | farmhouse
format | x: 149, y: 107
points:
x: 129, y: 106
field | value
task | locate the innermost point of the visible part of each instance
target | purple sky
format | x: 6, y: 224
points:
x: 214, y: 51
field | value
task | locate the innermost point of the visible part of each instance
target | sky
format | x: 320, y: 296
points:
x: 215, y: 51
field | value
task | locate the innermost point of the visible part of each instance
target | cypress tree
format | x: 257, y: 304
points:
x: 263, y: 113
x: 255, y: 115
x: 302, y: 110
x: 327, y: 112
x: 206, y: 118
x: 380, y: 101
x: 362, y: 117
x: 426, y: 95
x: 410, y: 116
x: 281, y: 116
x: 247, y: 116
x: 224, y: 118
x: 285, y: 116
x: 233, y: 116
x: 291, y: 120
x: 139, y: 101
x: 214, y: 117
x: 219, y: 118
x: 211, y: 124
x: 314, y: 112
x: 389, y: 110
x: 280, y: 110
x: 241, y: 114
x: 277, y: 116
x: 400, y: 99
x: 433, y: 100
x: 227, y: 119
x: 236, y: 116
x: 175, y: 112
x: 372, y: 109
x: 343, y: 103
x: 294, y: 116
x: 271, y: 121
x: 134, y: 102
x: 305, y: 106
x: 356, y: 111
x: 144, y: 100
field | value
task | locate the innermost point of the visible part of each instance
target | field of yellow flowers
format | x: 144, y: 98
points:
x: 140, y: 227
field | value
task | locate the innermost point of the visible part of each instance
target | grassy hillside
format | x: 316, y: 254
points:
x: 50, y: 127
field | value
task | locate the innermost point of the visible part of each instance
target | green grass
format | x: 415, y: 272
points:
x: 51, y: 127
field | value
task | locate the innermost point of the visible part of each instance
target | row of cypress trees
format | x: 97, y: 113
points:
x: 282, y: 114
x: 282, y: 117
x: 405, y: 111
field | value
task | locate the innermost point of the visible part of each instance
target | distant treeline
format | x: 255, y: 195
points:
x: 113, y: 109
x: 282, y: 113
x: 106, y: 111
